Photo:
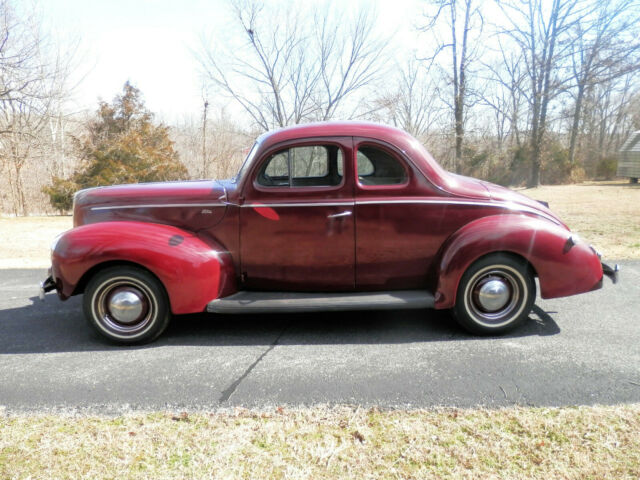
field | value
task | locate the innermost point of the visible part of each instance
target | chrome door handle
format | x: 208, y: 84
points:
x: 338, y: 215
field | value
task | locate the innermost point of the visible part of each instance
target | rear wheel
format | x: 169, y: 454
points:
x: 495, y: 294
x: 126, y: 305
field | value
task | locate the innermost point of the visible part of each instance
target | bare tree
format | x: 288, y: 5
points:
x: 205, y: 110
x: 609, y: 115
x: 541, y: 30
x: 413, y: 103
x: 225, y: 147
x: 349, y: 59
x: 504, y: 93
x: 33, y: 75
x: 461, y: 18
x: 295, y: 64
x: 607, y: 47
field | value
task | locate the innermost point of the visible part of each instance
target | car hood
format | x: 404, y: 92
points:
x: 189, y: 204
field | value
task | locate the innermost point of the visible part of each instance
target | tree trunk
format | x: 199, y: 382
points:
x: 457, y: 118
x: 12, y: 190
x: 459, y: 138
x: 534, y: 180
x: 20, y: 199
x: 204, y: 139
x: 577, y: 112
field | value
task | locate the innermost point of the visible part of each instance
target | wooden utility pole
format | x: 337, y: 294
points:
x: 204, y: 139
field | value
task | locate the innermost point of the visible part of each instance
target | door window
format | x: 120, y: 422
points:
x: 378, y: 167
x: 308, y: 166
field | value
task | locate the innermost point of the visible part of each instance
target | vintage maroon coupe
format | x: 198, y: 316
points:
x: 327, y: 216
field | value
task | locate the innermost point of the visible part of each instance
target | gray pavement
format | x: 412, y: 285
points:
x: 577, y: 350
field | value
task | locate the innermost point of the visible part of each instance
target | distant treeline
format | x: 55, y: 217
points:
x: 516, y: 92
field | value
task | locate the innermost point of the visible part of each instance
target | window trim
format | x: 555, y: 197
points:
x: 290, y: 188
x: 393, y: 154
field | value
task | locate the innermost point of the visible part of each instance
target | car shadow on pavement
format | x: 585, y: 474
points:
x: 53, y: 326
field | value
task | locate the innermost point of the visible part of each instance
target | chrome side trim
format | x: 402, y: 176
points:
x: 320, y: 204
x: 161, y: 205
x: 512, y: 207
x: 372, y: 202
x: 424, y: 201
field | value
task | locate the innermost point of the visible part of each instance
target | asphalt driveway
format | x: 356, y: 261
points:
x: 577, y: 350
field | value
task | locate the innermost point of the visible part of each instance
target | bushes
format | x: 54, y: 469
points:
x: 512, y: 165
x: 607, y: 167
x: 61, y: 193
x: 556, y: 168
x: 123, y: 145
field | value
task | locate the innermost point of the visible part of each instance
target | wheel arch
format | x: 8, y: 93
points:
x: 517, y: 256
x: 192, y: 270
x: 97, y: 268
x: 540, y: 243
x: 510, y: 253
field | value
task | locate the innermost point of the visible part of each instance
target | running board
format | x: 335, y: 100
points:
x: 284, y: 302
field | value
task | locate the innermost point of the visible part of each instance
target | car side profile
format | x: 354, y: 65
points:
x: 325, y: 216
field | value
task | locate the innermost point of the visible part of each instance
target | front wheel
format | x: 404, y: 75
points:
x: 495, y: 295
x: 126, y: 305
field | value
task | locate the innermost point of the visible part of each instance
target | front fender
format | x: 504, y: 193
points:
x: 193, y: 271
x: 561, y: 269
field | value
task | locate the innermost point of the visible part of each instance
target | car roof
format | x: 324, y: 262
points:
x: 335, y: 129
x: 391, y: 135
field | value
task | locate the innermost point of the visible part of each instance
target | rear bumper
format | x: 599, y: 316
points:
x: 611, y: 272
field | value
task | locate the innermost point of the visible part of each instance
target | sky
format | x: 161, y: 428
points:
x: 152, y: 43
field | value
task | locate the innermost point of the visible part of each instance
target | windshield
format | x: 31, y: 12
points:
x: 247, y: 162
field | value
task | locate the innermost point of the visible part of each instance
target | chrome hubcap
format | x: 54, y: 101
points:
x: 493, y: 295
x: 126, y: 305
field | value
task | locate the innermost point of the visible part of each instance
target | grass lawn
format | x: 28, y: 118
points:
x: 26, y: 240
x: 606, y: 214
x: 328, y: 443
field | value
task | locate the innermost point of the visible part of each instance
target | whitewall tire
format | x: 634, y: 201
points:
x: 495, y: 294
x: 126, y: 305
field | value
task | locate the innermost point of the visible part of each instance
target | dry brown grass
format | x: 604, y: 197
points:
x: 26, y: 240
x: 606, y: 214
x: 329, y: 443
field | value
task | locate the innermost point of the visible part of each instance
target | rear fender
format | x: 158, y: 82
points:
x: 192, y: 270
x: 562, y: 269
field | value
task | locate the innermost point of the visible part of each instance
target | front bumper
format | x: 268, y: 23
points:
x: 611, y: 272
x: 46, y: 286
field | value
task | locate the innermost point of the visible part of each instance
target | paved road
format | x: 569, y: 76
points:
x: 578, y: 350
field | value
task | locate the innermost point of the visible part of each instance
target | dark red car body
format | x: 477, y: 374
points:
x: 209, y: 239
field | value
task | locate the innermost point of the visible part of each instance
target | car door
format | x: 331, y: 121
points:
x: 397, y: 235
x: 297, y: 218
